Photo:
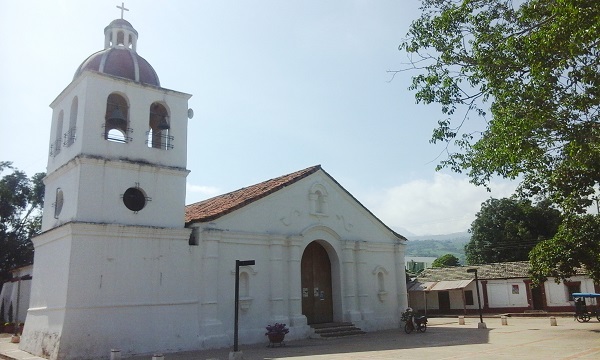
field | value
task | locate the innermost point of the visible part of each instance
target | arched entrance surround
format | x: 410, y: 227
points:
x: 324, y: 240
x: 317, y: 294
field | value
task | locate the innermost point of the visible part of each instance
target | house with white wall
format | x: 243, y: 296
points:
x: 503, y: 287
x: 16, y: 292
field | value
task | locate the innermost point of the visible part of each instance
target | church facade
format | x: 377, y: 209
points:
x: 122, y: 263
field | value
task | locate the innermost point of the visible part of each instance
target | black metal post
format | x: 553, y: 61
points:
x: 238, y: 263
x: 478, y: 296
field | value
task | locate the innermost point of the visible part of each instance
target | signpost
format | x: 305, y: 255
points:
x: 481, y: 323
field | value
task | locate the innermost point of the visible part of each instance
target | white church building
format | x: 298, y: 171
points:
x: 122, y: 263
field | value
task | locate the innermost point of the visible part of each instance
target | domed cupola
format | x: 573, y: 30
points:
x: 120, y: 57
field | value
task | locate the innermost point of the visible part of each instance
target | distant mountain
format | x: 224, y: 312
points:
x: 402, y: 231
x: 438, y: 245
x: 454, y: 236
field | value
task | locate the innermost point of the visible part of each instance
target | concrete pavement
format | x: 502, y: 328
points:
x: 522, y: 338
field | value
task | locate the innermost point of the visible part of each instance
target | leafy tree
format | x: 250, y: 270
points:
x: 21, y: 202
x: 577, y: 238
x: 445, y: 261
x: 507, y: 230
x: 530, y: 73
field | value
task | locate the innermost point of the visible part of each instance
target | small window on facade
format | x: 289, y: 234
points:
x: 320, y: 202
x: 469, y: 297
x: 380, y: 282
x: 159, y: 127
x: 244, y: 284
x: 318, y: 199
x: 134, y: 199
x: 58, y: 204
x: 193, y: 240
x: 116, y: 124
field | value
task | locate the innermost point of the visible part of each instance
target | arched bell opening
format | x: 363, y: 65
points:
x: 159, y: 127
x: 56, y: 144
x: 116, y: 119
x: 70, y: 135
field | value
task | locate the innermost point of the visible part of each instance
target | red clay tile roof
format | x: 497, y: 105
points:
x: 218, y: 206
x: 214, y: 208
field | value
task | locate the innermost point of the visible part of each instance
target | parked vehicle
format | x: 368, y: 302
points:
x: 581, y: 311
x: 413, y: 321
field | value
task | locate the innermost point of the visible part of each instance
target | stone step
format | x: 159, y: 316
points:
x: 331, y: 330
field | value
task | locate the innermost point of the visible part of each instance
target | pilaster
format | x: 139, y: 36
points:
x: 351, y: 312
x: 209, y: 321
x: 276, y: 274
x: 400, y: 263
x: 364, y: 301
x: 295, y: 284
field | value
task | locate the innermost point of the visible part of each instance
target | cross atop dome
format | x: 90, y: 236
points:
x: 123, y: 8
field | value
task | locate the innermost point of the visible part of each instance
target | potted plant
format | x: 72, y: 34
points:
x: 276, y: 333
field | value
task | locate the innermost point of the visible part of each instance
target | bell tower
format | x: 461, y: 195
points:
x: 113, y: 247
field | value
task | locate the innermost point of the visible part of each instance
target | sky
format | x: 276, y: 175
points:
x: 278, y: 86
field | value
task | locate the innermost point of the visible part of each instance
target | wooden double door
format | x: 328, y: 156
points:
x: 317, y: 302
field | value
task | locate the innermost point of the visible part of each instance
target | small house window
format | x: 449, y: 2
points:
x: 572, y: 287
x: 469, y: 297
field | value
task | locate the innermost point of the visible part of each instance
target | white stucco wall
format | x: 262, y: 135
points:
x: 274, y: 231
x: 557, y: 293
x: 124, y: 287
x: 13, y: 292
x: 501, y: 294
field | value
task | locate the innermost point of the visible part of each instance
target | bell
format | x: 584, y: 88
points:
x: 164, y: 124
x: 117, y: 119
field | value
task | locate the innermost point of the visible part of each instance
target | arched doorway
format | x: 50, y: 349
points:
x: 317, y: 300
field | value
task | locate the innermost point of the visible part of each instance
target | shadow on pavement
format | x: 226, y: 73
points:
x: 370, y: 342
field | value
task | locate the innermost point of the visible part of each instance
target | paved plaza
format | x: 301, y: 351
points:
x: 521, y: 338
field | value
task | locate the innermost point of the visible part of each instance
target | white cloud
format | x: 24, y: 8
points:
x: 442, y: 205
x: 195, y: 193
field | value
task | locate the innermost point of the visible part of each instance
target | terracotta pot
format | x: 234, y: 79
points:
x: 276, y: 338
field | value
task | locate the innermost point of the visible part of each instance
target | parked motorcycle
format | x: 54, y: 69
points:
x: 413, y: 321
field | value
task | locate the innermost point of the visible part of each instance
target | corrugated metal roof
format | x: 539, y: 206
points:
x: 439, y: 285
x: 417, y: 286
x: 451, y: 285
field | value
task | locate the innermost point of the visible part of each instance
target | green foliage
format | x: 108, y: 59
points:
x: 21, y: 202
x: 507, y: 230
x: 577, y: 242
x: 526, y: 79
x: 446, y: 261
